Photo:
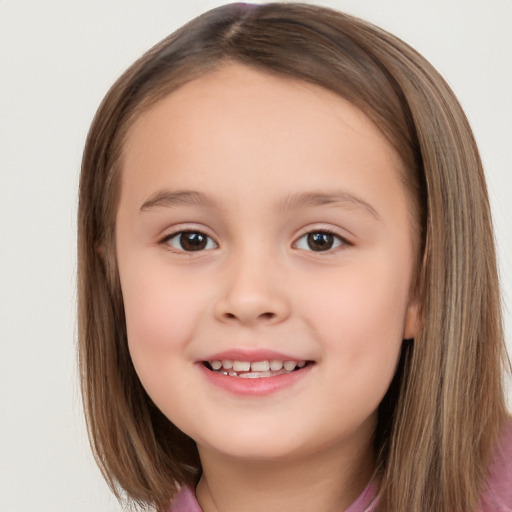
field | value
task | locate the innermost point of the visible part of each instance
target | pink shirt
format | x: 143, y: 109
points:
x: 497, y: 496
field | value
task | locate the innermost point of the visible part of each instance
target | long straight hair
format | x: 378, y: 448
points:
x: 442, y: 414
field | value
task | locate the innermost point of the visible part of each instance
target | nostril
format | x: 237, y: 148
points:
x: 262, y: 316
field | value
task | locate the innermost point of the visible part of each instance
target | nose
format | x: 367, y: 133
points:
x: 253, y: 293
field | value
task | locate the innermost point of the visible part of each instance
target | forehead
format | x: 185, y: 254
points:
x: 236, y: 102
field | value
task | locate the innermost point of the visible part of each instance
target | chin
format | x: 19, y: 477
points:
x: 255, y: 453
x: 259, y: 445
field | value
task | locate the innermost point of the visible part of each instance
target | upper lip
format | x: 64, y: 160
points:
x: 252, y: 355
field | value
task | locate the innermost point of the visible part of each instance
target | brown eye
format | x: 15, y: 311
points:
x: 191, y: 241
x: 319, y: 241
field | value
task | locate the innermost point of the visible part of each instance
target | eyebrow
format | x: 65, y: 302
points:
x: 335, y: 198
x: 166, y: 198
x: 298, y: 201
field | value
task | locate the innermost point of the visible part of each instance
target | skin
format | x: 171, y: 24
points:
x: 248, y: 142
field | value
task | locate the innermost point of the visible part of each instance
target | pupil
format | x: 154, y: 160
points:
x: 193, y: 241
x: 320, y: 241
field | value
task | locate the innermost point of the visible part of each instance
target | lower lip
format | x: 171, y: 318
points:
x: 254, y: 387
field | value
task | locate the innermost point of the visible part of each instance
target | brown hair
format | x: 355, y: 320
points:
x: 442, y: 414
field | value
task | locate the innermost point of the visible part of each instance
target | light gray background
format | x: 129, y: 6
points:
x: 57, y: 60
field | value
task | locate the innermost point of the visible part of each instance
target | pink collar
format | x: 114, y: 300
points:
x: 186, y: 501
x: 497, y: 496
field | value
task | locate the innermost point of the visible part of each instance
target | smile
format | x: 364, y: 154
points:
x: 254, y: 369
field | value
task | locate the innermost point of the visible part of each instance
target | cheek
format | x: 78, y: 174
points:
x: 161, y: 322
x: 360, y: 317
x: 366, y: 302
x: 151, y: 314
x: 161, y: 315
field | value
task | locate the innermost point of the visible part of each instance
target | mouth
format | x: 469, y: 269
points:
x: 255, y: 369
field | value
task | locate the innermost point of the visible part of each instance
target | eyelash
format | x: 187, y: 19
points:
x: 179, y: 234
x: 338, y: 240
x: 341, y: 241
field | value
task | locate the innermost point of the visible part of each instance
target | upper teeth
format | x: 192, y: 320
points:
x: 256, y: 366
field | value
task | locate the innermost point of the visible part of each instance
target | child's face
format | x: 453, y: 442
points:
x: 263, y: 219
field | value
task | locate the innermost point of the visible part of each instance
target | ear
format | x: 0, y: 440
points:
x: 100, y: 250
x: 412, y: 320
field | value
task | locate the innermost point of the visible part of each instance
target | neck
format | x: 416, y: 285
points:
x: 324, y: 482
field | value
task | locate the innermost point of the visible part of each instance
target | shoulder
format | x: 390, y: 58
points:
x: 185, y: 501
x: 497, y: 495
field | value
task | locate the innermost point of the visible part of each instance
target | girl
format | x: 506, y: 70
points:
x: 288, y: 297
